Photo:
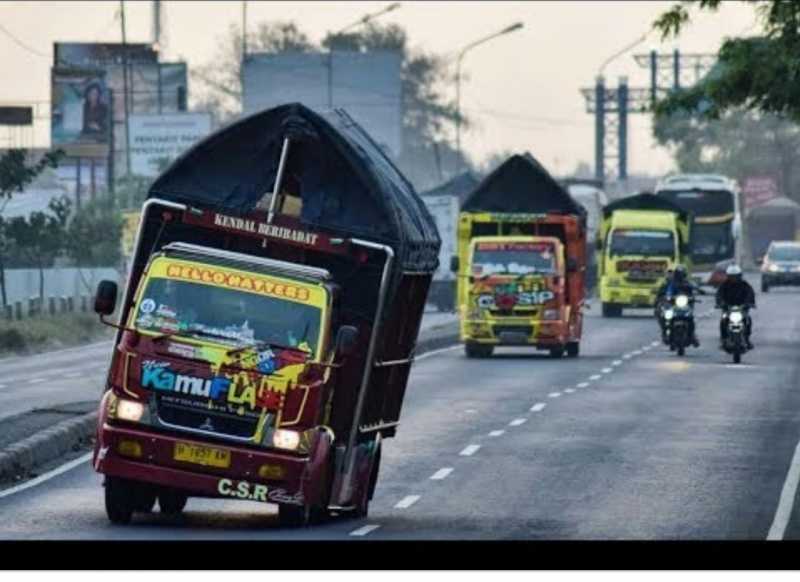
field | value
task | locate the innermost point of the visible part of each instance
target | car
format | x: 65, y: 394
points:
x: 781, y: 265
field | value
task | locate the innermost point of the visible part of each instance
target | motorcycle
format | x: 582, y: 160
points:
x: 734, y: 342
x: 678, y: 317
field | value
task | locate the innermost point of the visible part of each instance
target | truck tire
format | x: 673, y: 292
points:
x: 611, y: 310
x: 478, y: 350
x: 120, y: 498
x: 573, y: 349
x: 556, y: 352
x: 764, y: 287
x: 145, y: 499
x: 171, y: 502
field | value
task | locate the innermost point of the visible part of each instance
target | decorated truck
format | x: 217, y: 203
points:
x: 640, y: 238
x: 269, y: 322
x: 521, y: 262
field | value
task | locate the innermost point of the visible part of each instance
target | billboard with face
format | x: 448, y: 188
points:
x: 81, y: 111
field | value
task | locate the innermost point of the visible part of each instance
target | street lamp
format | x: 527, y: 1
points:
x: 461, y: 54
x: 363, y: 20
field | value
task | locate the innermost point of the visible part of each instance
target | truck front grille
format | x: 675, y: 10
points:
x: 192, y: 416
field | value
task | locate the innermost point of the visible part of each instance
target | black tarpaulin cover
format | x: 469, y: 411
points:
x: 644, y: 201
x: 346, y: 183
x: 521, y: 184
x: 461, y: 185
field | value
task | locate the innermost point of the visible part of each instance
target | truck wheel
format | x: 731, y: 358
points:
x: 573, y: 349
x: 737, y: 357
x: 171, y: 502
x: 478, y: 350
x: 681, y: 350
x: 120, y: 499
x: 556, y: 352
x: 145, y: 499
x: 764, y: 287
x: 294, y: 515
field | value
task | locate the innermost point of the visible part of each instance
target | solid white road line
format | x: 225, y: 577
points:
x: 497, y: 433
x: 469, y: 450
x: 72, y: 375
x: 786, y: 503
x: 434, y: 352
x: 655, y: 343
x: 539, y: 406
x: 569, y: 390
x: 406, y: 502
x: 582, y: 385
x: 362, y: 531
x: 518, y: 421
x: 2, y: 386
x: 554, y: 394
x: 47, y: 476
x: 595, y: 377
x: 441, y: 473
x: 607, y: 370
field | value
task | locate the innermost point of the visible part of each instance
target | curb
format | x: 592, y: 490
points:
x: 48, y: 445
x: 22, y: 457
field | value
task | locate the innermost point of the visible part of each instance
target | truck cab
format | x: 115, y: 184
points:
x: 637, y: 245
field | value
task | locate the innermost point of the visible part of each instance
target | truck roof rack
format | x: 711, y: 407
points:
x: 230, y: 258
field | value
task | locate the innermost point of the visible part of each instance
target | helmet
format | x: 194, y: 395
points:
x: 733, y: 271
x: 679, y: 273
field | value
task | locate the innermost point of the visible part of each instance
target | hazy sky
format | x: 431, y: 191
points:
x: 522, y: 89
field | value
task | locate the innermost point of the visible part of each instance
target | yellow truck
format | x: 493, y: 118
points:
x: 521, y: 263
x: 640, y: 239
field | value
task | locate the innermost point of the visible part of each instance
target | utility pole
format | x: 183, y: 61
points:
x: 244, y: 29
x: 125, y: 87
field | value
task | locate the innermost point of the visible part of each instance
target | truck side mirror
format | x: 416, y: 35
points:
x: 346, y: 339
x: 454, y: 264
x: 105, y: 301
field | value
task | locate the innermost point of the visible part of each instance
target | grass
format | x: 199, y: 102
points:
x: 38, y: 334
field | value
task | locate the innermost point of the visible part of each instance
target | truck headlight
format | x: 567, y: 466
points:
x: 550, y: 314
x: 286, y: 439
x: 773, y: 268
x: 129, y: 410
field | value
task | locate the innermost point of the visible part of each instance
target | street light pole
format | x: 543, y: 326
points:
x: 460, y: 57
x: 363, y: 20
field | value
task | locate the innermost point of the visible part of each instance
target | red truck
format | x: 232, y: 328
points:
x: 268, y: 324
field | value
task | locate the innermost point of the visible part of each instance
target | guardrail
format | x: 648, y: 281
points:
x: 53, y: 305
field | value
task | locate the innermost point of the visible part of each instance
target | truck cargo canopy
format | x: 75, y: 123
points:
x: 346, y: 183
x: 644, y: 201
x: 521, y: 184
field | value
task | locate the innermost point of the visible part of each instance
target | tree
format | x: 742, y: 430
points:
x: 93, y: 237
x: 15, y: 174
x: 758, y: 73
x: 40, y: 236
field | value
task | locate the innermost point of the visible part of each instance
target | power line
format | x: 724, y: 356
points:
x: 22, y: 44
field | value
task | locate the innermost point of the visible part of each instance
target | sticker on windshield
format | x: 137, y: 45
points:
x: 166, y: 311
x: 147, y: 306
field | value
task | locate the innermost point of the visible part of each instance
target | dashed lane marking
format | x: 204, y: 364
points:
x: 616, y: 363
x: 627, y: 357
x: 582, y: 385
x: 786, y: 502
x: 655, y: 343
x: 497, y: 433
x: 469, y: 450
x: 606, y: 370
x: 595, y: 377
x: 406, y: 502
x: 518, y: 421
x: 554, y: 394
x: 72, y: 375
x: 441, y: 473
x: 538, y: 407
x: 362, y: 531
x: 569, y: 390
x: 2, y: 386
x: 37, y: 380
x: 637, y: 352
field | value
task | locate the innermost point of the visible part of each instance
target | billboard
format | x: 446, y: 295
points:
x: 758, y: 190
x: 101, y: 54
x: 81, y: 112
x: 367, y: 85
x: 155, y: 138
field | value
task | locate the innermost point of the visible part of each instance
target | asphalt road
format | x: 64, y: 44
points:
x: 629, y: 441
x: 77, y: 374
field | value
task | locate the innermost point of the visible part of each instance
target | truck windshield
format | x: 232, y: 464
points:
x: 228, y: 316
x: 513, y: 259
x: 642, y: 242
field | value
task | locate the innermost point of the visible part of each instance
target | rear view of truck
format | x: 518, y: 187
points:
x: 521, y: 263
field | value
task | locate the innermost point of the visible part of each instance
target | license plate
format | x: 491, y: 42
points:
x: 199, y: 455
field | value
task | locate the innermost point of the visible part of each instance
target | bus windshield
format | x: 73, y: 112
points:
x: 659, y: 243
x: 712, y: 242
x: 702, y: 203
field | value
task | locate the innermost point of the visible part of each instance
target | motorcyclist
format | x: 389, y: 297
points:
x: 736, y: 291
x: 677, y: 284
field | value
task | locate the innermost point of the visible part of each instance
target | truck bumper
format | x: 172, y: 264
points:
x: 540, y: 334
x: 628, y: 296
x: 287, y: 479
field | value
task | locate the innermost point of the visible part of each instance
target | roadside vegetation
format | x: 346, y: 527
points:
x: 38, y: 334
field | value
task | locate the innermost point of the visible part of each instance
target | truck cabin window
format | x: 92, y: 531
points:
x: 659, y: 243
x: 513, y: 259
x: 227, y: 316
